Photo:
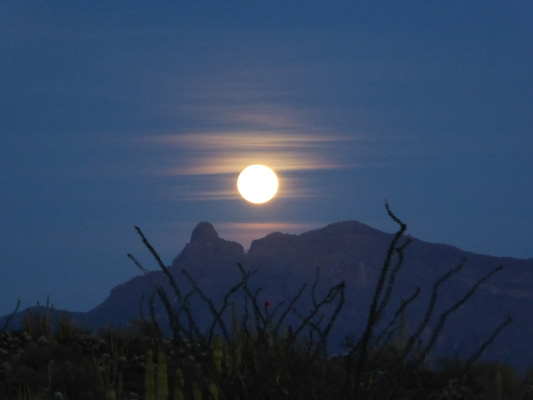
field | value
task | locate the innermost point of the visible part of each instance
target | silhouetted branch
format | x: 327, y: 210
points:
x: 430, y: 308
x: 8, y: 319
x: 373, y: 317
x: 454, y: 307
x: 508, y: 321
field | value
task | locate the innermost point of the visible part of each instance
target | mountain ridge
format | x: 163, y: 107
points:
x: 353, y: 252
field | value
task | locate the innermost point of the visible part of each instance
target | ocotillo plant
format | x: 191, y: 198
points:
x: 258, y: 357
x: 361, y: 381
x: 259, y: 349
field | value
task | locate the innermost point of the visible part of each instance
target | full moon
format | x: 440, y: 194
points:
x: 257, y: 184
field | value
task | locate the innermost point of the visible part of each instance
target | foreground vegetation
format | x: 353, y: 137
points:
x: 252, y: 352
x: 117, y: 364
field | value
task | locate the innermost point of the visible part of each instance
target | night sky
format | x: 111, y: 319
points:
x: 115, y: 114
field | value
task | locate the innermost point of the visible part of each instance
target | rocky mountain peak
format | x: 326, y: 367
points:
x: 207, y: 249
x: 204, y: 233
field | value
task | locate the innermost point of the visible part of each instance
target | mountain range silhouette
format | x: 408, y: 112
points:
x: 354, y: 253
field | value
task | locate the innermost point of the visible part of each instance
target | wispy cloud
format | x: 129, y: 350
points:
x: 243, y: 115
x: 241, y: 232
x: 246, y: 232
x: 208, y: 153
x: 220, y: 156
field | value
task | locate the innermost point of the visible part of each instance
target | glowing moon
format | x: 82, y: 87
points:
x: 257, y: 184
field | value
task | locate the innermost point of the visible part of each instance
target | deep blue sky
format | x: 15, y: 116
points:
x: 121, y: 113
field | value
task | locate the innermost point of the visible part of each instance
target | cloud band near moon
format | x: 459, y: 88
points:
x: 219, y: 157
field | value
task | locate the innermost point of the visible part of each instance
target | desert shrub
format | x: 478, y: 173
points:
x: 65, y: 329
x: 38, y: 322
